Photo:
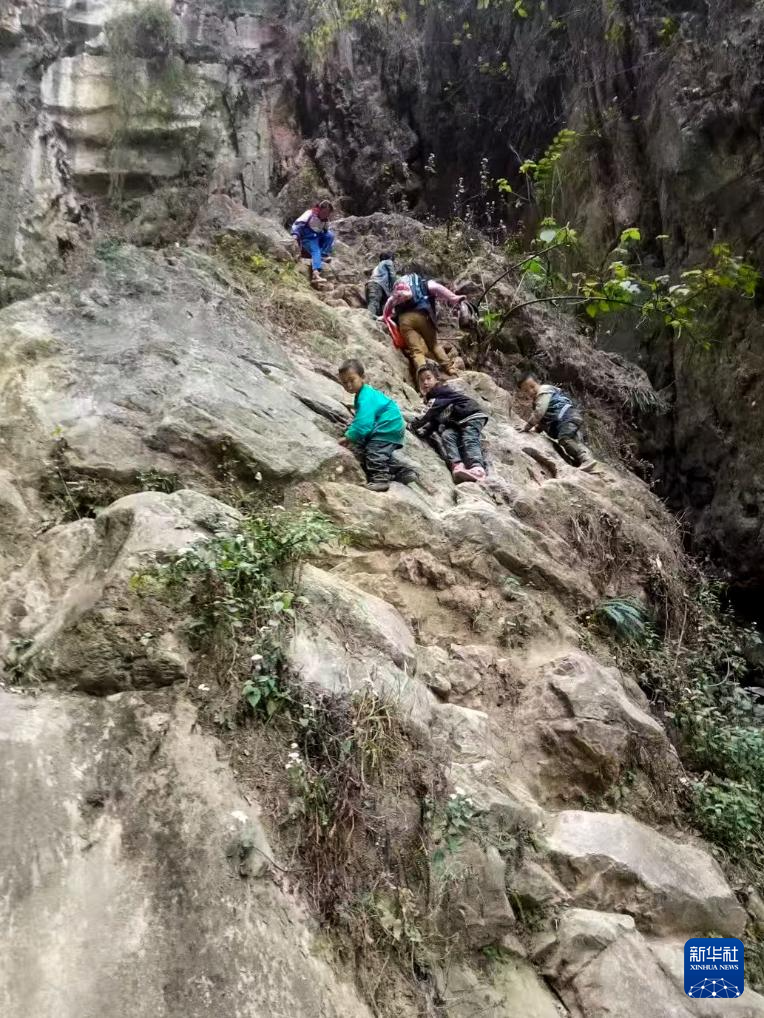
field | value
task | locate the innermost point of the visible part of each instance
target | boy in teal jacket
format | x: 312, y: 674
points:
x: 376, y: 431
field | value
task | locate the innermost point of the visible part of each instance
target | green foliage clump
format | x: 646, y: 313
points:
x: 668, y: 30
x: 331, y: 19
x: 156, y: 480
x: 685, y: 306
x: 730, y: 813
x: 697, y: 682
x: 342, y: 747
x: 542, y: 171
x: 546, y: 173
x: 621, y: 617
x: 449, y: 823
x: 238, y: 590
x: 240, y: 581
x: 394, y: 917
x: 240, y: 254
x: 715, y: 722
x: 721, y: 734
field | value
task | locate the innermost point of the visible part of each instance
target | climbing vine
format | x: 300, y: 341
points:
x: 545, y: 173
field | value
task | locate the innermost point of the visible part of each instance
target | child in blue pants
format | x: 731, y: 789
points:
x: 311, y: 231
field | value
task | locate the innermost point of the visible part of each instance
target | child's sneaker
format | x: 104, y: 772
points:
x: 461, y: 474
x: 588, y: 465
x: 477, y: 472
x: 378, y: 485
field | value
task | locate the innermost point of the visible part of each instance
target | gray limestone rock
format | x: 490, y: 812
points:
x: 119, y: 881
x: 611, y: 861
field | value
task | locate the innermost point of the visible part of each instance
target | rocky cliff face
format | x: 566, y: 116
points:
x: 140, y: 853
x: 665, y: 100
x: 278, y: 102
x: 180, y: 374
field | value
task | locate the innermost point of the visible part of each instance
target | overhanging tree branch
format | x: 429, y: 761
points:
x: 517, y: 265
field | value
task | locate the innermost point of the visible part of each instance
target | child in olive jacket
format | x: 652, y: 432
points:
x: 457, y: 419
x: 377, y: 430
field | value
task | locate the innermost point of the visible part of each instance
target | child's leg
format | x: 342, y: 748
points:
x: 410, y: 324
x: 375, y: 299
x: 326, y: 242
x: 449, y: 440
x: 311, y: 244
x: 472, y: 450
x: 569, y: 438
x: 378, y: 462
x: 400, y: 470
x: 435, y: 350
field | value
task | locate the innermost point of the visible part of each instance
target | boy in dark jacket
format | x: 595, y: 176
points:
x: 457, y: 419
x: 376, y: 431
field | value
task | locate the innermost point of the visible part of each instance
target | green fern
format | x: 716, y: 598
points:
x: 623, y: 618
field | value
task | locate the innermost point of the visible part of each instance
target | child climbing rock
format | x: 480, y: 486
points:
x: 377, y: 430
x: 458, y: 421
x: 380, y: 285
x: 557, y: 415
x: 411, y: 306
x: 312, y: 233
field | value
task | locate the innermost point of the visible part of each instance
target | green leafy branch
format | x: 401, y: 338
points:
x: 685, y: 306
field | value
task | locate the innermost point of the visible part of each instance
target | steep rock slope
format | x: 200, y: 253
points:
x: 143, y: 855
x: 665, y: 99
x: 270, y: 102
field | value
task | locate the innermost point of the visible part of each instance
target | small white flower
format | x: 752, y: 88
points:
x: 258, y: 476
x: 294, y: 746
x: 256, y: 657
x: 203, y: 687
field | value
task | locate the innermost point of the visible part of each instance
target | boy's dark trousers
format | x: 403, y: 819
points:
x: 376, y: 298
x: 570, y: 438
x: 380, y: 461
x: 462, y: 444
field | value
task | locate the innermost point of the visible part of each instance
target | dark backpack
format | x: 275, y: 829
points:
x: 560, y: 408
